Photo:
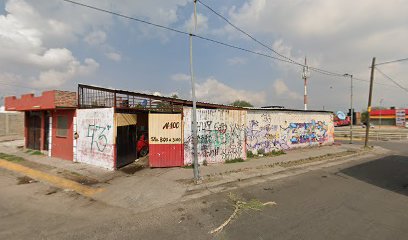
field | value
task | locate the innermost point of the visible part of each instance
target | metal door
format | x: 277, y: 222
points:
x: 34, y: 130
x: 46, y: 131
x: 125, y: 139
x: 165, y: 140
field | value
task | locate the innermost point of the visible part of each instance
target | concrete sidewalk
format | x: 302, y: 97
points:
x: 141, y: 188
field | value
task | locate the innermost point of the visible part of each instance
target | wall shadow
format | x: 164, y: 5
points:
x: 390, y: 173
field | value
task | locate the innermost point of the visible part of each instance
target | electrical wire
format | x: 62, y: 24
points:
x: 318, y: 70
x: 175, y: 30
x: 393, y: 61
x: 286, y: 59
x: 247, y: 34
x: 392, y: 80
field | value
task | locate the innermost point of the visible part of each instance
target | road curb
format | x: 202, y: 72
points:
x: 193, y: 189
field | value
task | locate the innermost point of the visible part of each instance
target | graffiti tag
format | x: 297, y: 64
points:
x: 98, y: 137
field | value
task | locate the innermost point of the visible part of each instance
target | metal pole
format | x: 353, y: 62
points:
x: 370, y: 95
x: 305, y: 75
x: 379, y: 127
x: 351, y: 110
x: 194, y: 114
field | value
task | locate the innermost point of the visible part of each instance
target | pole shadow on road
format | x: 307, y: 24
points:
x: 390, y: 173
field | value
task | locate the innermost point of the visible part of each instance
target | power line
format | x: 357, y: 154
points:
x: 392, y: 80
x: 247, y: 34
x: 127, y: 17
x: 286, y: 60
x: 393, y: 61
x: 318, y: 70
x: 240, y: 48
x: 175, y: 30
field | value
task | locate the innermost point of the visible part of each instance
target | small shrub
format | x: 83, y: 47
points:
x: 235, y: 160
x: 261, y: 151
x: 36, y: 153
x: 11, y: 158
x: 250, y: 154
x: 275, y: 153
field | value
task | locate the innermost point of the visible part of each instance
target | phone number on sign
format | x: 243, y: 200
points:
x: 165, y: 140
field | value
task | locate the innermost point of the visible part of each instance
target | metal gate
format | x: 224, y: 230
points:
x: 125, y: 139
x: 165, y: 140
x: 34, y: 130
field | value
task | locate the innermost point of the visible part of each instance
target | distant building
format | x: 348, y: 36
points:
x: 390, y: 117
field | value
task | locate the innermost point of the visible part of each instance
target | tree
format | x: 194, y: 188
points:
x: 364, y: 116
x: 241, y: 103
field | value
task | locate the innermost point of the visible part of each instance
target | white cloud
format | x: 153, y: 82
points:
x: 180, y: 77
x: 333, y: 35
x: 211, y: 90
x: 23, y: 48
x: 282, y: 90
x: 114, y: 56
x: 202, y: 23
x: 96, y: 38
x: 54, y: 78
x: 236, y: 61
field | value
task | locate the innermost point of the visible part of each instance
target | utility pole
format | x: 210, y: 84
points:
x: 194, y: 110
x: 370, y: 95
x: 305, y: 75
x: 351, y: 106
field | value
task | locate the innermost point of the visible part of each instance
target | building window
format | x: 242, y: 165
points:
x: 62, y: 126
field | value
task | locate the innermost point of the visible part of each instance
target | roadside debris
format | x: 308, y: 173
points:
x: 253, y: 204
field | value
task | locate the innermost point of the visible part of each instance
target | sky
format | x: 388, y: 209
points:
x: 53, y: 44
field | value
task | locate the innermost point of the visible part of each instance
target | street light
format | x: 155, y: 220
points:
x: 351, y: 106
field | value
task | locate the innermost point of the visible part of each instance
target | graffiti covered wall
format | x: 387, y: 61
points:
x: 95, y: 144
x: 220, y: 133
x: 276, y: 130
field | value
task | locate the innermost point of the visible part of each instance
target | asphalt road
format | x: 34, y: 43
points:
x: 359, y: 200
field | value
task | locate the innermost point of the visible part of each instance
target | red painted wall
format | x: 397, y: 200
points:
x: 166, y: 155
x: 62, y: 147
x: 385, y: 112
x: 30, y: 102
x: 48, y: 100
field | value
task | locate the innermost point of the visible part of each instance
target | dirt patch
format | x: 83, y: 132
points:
x: 132, y: 169
x: 135, y: 167
x: 52, y: 190
x: 78, y: 178
x: 25, y: 180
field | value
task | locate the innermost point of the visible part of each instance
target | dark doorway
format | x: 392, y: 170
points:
x: 46, y: 131
x: 126, y: 145
x: 34, y: 130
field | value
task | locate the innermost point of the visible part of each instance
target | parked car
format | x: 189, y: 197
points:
x: 142, y: 146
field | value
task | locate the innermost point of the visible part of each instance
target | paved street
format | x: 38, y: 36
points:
x: 366, y: 199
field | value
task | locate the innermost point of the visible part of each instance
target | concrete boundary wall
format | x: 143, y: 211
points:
x: 12, y: 124
x: 276, y: 130
x: 95, y: 144
x: 221, y: 135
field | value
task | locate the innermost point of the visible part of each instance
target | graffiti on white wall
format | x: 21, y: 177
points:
x: 220, y: 135
x: 95, y: 142
x: 271, y: 131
